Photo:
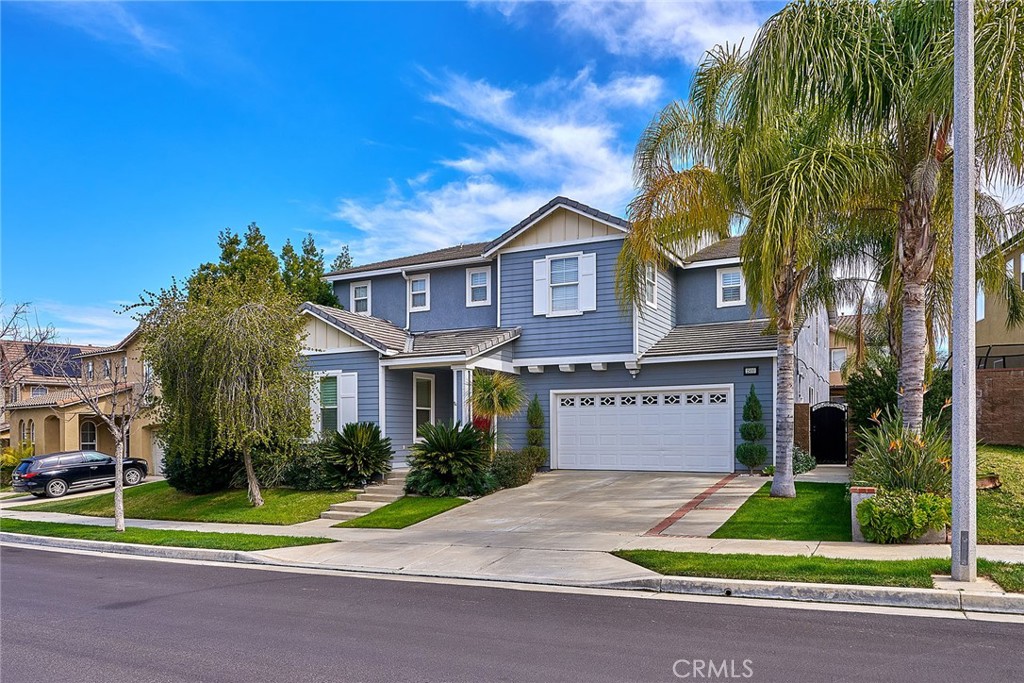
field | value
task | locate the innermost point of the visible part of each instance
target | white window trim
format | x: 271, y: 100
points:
x: 369, y: 296
x: 552, y: 313
x: 314, y: 399
x: 651, y: 285
x: 979, y: 303
x: 430, y: 378
x: 470, y: 272
x: 108, y: 368
x: 90, y: 372
x: 718, y: 288
x: 95, y: 436
x: 38, y: 390
x: 413, y: 278
x: 831, y: 354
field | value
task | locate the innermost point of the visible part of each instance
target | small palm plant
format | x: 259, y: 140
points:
x: 358, y: 453
x: 449, y: 460
x: 495, y: 394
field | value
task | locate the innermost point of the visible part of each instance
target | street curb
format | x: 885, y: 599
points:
x: 878, y: 596
x: 138, y: 549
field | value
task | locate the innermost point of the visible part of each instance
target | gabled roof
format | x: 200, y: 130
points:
x: 557, y: 202
x: 733, y: 337
x: 455, y: 253
x: 468, y: 343
x: 376, y: 333
x: 728, y: 248
x: 119, y: 346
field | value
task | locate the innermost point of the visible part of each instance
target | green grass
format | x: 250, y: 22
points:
x: 180, y: 539
x: 803, y: 569
x: 1001, y: 511
x: 820, y: 512
x: 159, y: 501
x: 403, y: 512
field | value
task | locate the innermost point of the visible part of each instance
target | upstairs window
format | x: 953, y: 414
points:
x: 979, y: 303
x: 651, y: 285
x: 361, y: 298
x: 732, y: 290
x: 124, y: 368
x: 565, y: 284
x: 89, y: 371
x: 39, y: 391
x: 419, y: 293
x: 478, y: 286
x: 107, y: 366
x: 836, y: 359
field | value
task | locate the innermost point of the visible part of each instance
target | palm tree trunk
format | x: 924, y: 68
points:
x: 255, y: 497
x: 118, y: 481
x: 914, y: 349
x: 782, y: 482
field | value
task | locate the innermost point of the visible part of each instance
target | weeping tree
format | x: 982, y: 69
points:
x: 229, y: 351
x: 883, y: 73
x: 700, y: 172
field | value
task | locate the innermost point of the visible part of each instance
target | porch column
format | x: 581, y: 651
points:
x: 462, y: 389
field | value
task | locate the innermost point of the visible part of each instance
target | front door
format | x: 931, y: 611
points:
x: 828, y: 433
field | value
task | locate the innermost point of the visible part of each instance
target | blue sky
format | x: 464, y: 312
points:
x: 132, y: 133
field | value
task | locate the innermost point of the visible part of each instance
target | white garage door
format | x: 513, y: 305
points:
x: 657, y: 430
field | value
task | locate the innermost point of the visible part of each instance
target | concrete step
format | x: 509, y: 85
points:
x: 379, y: 497
x: 388, y: 489
x: 340, y: 516
x: 362, y: 507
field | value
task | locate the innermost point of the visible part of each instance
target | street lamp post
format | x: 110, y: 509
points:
x: 965, y: 522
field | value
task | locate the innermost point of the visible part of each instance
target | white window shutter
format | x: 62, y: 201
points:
x: 314, y: 404
x: 348, y: 399
x: 540, y: 287
x: 588, y: 282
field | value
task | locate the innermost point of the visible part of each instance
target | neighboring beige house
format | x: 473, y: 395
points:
x: 999, y: 347
x: 60, y: 421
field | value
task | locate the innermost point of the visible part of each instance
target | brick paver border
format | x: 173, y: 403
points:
x: 660, y: 527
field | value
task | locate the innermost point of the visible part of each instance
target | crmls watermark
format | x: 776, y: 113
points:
x: 710, y: 668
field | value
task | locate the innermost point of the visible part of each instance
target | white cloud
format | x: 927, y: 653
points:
x: 97, y: 325
x: 556, y: 137
x: 653, y: 28
x: 107, y: 21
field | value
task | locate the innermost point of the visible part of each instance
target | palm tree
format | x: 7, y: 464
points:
x: 883, y: 73
x: 781, y: 179
x: 495, y: 394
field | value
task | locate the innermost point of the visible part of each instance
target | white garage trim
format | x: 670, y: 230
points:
x: 555, y: 394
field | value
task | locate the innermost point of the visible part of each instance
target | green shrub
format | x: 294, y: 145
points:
x: 901, y: 515
x: 538, y: 455
x: 358, y: 453
x: 874, y: 388
x: 11, y: 457
x: 512, y: 468
x: 309, y: 470
x: 768, y: 470
x: 450, y: 460
x: 751, y: 453
x: 193, y: 464
x: 893, y: 457
x: 802, y: 461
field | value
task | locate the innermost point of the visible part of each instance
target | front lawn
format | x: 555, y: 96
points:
x: 180, y: 539
x: 804, y: 569
x: 820, y: 512
x: 1001, y: 511
x: 403, y: 512
x: 159, y: 501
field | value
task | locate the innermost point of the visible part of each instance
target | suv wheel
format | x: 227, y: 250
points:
x: 132, y: 477
x: 56, y: 488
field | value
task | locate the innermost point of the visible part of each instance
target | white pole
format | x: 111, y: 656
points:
x: 965, y: 522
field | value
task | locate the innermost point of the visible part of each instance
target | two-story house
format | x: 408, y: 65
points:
x: 59, y: 420
x: 662, y: 391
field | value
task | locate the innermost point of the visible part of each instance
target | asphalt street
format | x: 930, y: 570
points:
x: 86, y: 618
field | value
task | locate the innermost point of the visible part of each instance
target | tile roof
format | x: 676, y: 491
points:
x: 468, y: 343
x: 727, y: 248
x: 374, y: 332
x: 846, y: 326
x: 35, y: 362
x: 447, y: 254
x: 94, y: 351
x: 59, y: 398
x: 732, y: 337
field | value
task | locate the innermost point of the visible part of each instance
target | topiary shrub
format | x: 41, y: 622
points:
x: 451, y: 459
x: 901, y: 515
x: 802, y: 461
x: 535, y: 436
x: 512, y: 468
x: 893, y: 457
x: 751, y: 453
x: 358, y: 453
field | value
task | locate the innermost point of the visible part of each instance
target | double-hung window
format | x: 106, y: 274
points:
x: 39, y: 391
x: 419, y: 293
x: 107, y: 368
x: 651, y: 285
x: 478, y: 286
x: 89, y: 373
x: 564, y: 281
x: 361, y: 297
x: 335, y: 401
x: 422, y: 402
x: 329, y: 404
x: 732, y: 290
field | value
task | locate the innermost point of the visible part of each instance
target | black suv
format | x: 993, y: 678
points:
x: 55, y: 474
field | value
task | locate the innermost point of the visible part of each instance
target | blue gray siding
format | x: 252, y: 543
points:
x: 812, y: 353
x: 655, y: 323
x: 387, y: 297
x: 365, y: 365
x: 399, y: 404
x: 659, y: 375
x: 697, y: 299
x: 608, y: 330
x: 448, y: 310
